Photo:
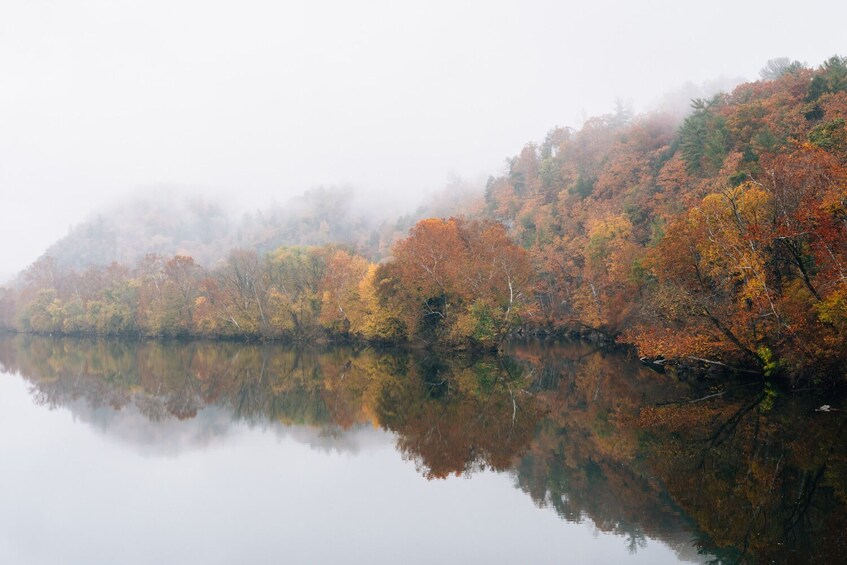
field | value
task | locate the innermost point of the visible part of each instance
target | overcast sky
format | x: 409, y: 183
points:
x: 262, y: 99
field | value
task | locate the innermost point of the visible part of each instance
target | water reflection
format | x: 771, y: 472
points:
x: 764, y: 475
x: 587, y: 433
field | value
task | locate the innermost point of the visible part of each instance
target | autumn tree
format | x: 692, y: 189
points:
x: 757, y: 268
x: 170, y: 310
x: 456, y: 279
x: 294, y: 276
x: 339, y: 289
x: 242, y: 296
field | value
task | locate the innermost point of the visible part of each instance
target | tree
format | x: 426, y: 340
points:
x: 456, y: 279
x: 294, y: 276
x: 775, y: 68
x: 703, y: 138
x: 339, y: 288
x: 8, y: 306
x: 242, y: 292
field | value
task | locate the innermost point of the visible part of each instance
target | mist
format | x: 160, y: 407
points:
x: 253, y: 104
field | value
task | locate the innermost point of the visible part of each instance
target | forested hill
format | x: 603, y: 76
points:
x: 207, y: 231
x: 722, y: 237
x: 723, y: 234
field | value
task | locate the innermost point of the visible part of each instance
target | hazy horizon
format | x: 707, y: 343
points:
x: 256, y: 103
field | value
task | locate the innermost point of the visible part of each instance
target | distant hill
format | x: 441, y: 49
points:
x: 127, y: 232
x: 206, y: 231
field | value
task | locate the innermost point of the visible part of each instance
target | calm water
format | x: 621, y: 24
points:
x: 117, y: 452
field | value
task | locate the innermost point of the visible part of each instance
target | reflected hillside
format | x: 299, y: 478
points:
x: 588, y: 433
x: 483, y: 411
x: 764, y: 474
x: 587, y: 459
x: 547, y: 414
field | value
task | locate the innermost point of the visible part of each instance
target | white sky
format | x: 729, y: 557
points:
x: 262, y: 99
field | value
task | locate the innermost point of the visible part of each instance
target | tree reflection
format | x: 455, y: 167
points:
x: 450, y: 416
x: 753, y: 475
x: 460, y: 419
x: 586, y: 461
x: 762, y: 474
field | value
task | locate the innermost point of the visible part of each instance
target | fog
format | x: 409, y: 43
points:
x: 253, y: 102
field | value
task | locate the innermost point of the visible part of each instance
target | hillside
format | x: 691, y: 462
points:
x: 207, y: 231
x: 723, y: 236
x: 717, y: 238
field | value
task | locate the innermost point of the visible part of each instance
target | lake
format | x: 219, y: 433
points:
x: 205, y: 452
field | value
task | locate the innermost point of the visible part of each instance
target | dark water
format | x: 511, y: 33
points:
x: 118, y: 452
